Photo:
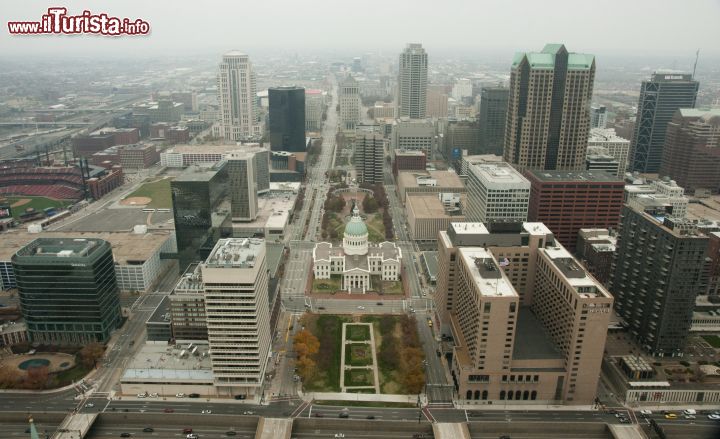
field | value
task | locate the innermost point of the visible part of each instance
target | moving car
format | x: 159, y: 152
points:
x: 240, y: 397
x: 206, y: 412
x: 187, y: 430
x: 714, y: 417
x: 230, y: 433
x: 689, y: 416
x: 689, y: 412
x: 169, y: 410
x: 344, y: 415
x: 179, y: 395
x: 125, y: 435
x: 194, y: 395
x: 671, y: 416
x: 89, y: 405
x: 646, y: 412
x: 141, y: 395
x: 148, y: 430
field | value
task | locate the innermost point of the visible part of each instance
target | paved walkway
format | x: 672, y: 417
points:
x: 372, y: 367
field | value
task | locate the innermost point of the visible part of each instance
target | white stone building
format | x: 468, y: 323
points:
x: 357, y: 260
x: 237, y: 92
x: 615, y: 145
x: 496, y: 193
x: 350, y: 106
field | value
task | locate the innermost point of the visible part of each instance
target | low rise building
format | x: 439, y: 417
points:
x: 615, y: 145
x: 427, y: 213
x: 408, y: 161
x: 429, y: 182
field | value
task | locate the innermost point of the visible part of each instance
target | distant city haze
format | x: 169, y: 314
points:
x: 619, y: 27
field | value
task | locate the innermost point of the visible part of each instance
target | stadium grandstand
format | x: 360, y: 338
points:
x: 70, y: 182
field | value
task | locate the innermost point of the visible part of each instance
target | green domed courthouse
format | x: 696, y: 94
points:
x: 357, y: 260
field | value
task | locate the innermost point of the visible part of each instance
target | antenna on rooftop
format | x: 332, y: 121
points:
x: 697, y: 55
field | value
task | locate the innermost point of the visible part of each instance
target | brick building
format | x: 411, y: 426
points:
x: 567, y: 201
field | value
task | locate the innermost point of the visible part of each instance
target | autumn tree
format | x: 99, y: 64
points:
x: 37, y: 377
x: 306, y: 345
x: 9, y: 377
x: 90, y: 353
x: 369, y: 204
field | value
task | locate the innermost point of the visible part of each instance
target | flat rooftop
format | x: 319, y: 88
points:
x: 531, y: 340
x: 203, y: 149
x: 486, y: 273
x: 450, y: 179
x: 162, y: 312
x: 171, y: 364
x: 574, y: 272
x: 500, y: 173
x: 575, y: 176
x: 198, y: 172
x: 469, y: 228
x: 428, y: 205
x: 127, y: 247
x: 56, y: 247
x: 536, y: 228
x: 273, y: 211
x: 236, y: 253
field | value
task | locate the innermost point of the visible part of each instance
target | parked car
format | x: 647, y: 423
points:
x: 179, y: 395
x: 194, y: 395
x: 240, y: 397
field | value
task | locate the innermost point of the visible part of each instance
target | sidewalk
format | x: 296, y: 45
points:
x: 526, y: 407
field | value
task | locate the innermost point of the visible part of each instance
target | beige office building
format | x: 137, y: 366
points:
x: 235, y: 281
x: 528, y: 322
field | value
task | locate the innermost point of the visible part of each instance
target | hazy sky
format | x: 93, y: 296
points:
x: 645, y: 27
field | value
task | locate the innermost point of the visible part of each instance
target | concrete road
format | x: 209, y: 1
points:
x: 169, y: 431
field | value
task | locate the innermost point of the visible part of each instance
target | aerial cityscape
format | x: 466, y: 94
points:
x: 334, y: 225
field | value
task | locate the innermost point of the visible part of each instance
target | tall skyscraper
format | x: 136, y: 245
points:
x: 237, y: 97
x: 287, y: 118
x: 496, y: 193
x: 412, y: 82
x: 235, y: 284
x: 548, y: 116
x: 657, y: 272
x: 349, y: 97
x: 68, y: 291
x: 691, y: 155
x: 242, y: 185
x: 369, y: 155
x: 660, y: 97
x: 493, y: 111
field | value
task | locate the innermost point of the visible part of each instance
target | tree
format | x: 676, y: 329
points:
x: 369, y: 204
x: 37, y: 377
x: 9, y: 377
x: 306, y: 338
x: 90, y: 353
x: 306, y: 367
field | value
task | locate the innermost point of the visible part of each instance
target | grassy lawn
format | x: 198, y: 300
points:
x: 74, y: 374
x: 357, y: 332
x: 400, y: 405
x: 327, y: 285
x: 158, y: 190
x: 376, y: 229
x: 392, y: 287
x: 358, y: 355
x: 37, y: 203
x: 328, y: 330
x: 714, y: 340
x: 358, y: 377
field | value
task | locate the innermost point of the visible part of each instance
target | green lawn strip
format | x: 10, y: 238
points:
x: 354, y: 356
x: 713, y: 340
x: 158, y: 190
x: 328, y: 329
x: 399, y: 405
x: 73, y: 374
x: 358, y: 377
x: 357, y: 332
x: 327, y: 285
x: 392, y: 287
